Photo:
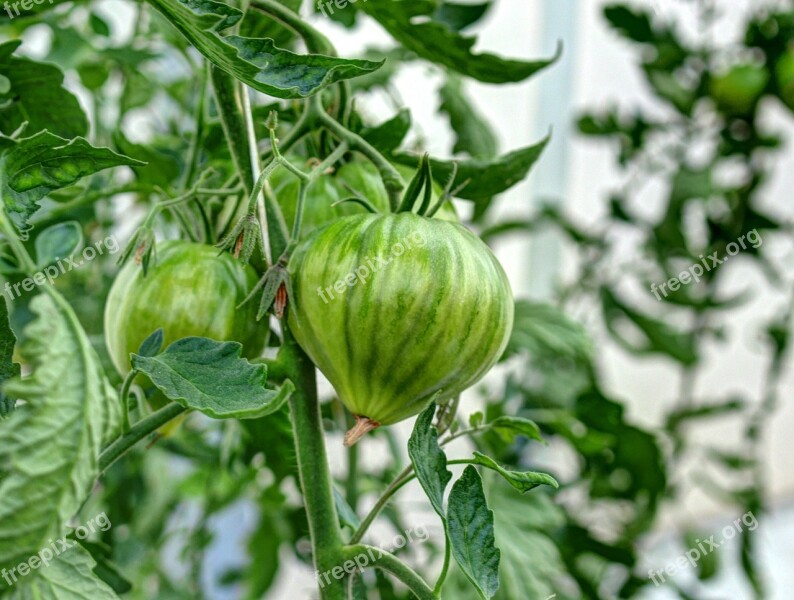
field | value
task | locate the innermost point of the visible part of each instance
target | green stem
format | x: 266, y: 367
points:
x: 392, y: 180
x: 316, y: 42
x: 391, y: 564
x: 137, y: 432
x: 314, y: 476
x: 67, y: 208
x: 445, y: 569
x: 125, y: 394
x: 195, y: 142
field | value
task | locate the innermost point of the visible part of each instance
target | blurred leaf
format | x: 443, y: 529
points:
x: 471, y: 533
x: 256, y: 24
x: 458, y: 16
x: 411, y: 23
x: 258, y: 63
x: 509, y: 428
x: 98, y: 25
x: 388, y: 136
x: 473, y: 134
x: 631, y: 23
x: 59, y: 241
x: 429, y: 460
x: 347, y: 516
x: 209, y: 376
x: 543, y: 330
x: 37, y: 95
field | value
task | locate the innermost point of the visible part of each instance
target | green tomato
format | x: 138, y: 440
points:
x: 784, y: 72
x: 359, y: 175
x: 190, y: 291
x: 394, y: 308
x: 737, y: 92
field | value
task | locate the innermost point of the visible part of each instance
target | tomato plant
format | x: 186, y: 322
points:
x: 313, y: 297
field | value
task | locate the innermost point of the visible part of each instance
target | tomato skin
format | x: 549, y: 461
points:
x: 738, y: 91
x: 360, y: 175
x: 434, y: 318
x: 190, y: 291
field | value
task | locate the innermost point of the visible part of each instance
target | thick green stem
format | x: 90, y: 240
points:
x: 137, y: 432
x: 315, y: 478
x: 391, y: 564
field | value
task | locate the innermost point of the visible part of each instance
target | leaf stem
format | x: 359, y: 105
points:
x: 445, y: 569
x: 391, y: 564
x: 316, y: 42
x: 125, y: 408
x: 137, y: 432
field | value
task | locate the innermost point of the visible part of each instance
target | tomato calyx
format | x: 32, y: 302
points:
x: 141, y: 247
x: 362, y: 427
x: 245, y: 237
x: 277, y: 289
x: 422, y: 184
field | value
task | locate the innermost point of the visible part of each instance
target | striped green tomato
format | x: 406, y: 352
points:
x: 394, y: 308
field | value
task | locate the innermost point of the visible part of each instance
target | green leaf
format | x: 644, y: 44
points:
x: 36, y: 95
x: 471, y: 533
x: 209, y: 376
x: 8, y: 368
x: 411, y: 23
x: 510, y: 427
x: 543, y: 330
x: 59, y: 241
x: 69, y: 576
x: 472, y: 132
x: 429, y: 460
x: 50, y: 445
x: 257, y: 62
x: 388, y: 136
x: 152, y: 345
x: 347, y: 516
x: 35, y: 166
x: 631, y: 23
x: 486, y: 177
x: 523, y: 481
x: 98, y: 25
x: 460, y: 16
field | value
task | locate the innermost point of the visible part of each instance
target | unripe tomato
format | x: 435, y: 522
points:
x: 737, y: 92
x: 190, y: 291
x: 359, y: 175
x: 394, y: 308
x: 784, y: 72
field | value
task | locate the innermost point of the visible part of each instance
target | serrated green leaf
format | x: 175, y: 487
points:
x: 69, y: 576
x: 411, y: 23
x: 523, y: 481
x: 50, y: 445
x: 35, y: 166
x: 471, y: 533
x: 257, y: 62
x: 429, y: 460
x: 59, y: 241
x: 8, y: 368
x: 388, y: 136
x: 473, y: 135
x: 209, y: 376
x: 36, y: 95
x: 510, y: 427
x: 486, y: 177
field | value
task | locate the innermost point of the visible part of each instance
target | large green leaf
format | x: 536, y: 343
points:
x: 210, y: 377
x: 36, y: 95
x: 257, y: 62
x: 8, y: 368
x: 471, y: 533
x: 50, y: 444
x: 429, y: 460
x: 69, y: 576
x: 486, y: 177
x: 412, y: 24
x: 33, y: 167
